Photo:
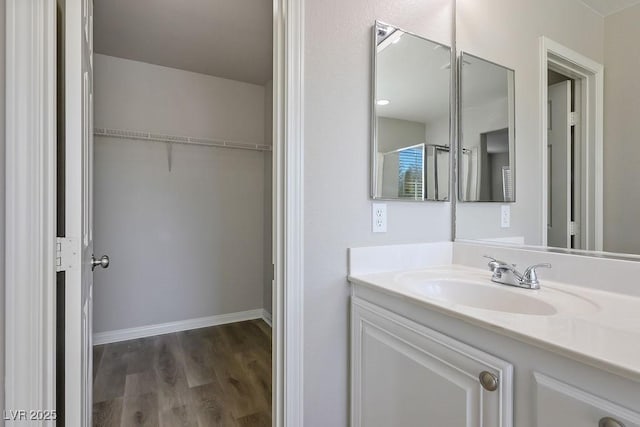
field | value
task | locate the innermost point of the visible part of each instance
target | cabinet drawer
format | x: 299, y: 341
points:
x: 404, y: 374
x: 560, y: 404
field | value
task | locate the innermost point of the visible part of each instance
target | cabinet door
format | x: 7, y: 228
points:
x: 404, y: 374
x: 559, y: 404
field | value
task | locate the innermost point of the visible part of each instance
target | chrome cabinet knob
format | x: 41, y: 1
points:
x: 609, y: 422
x: 488, y: 381
x: 102, y: 262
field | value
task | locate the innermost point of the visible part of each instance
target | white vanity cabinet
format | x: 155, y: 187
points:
x: 423, y: 368
x: 561, y: 404
x: 404, y: 374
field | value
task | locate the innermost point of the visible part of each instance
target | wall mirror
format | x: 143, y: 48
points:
x: 411, y: 116
x: 487, y: 131
x: 577, y: 118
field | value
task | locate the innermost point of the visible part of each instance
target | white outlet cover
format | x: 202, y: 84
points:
x: 505, y: 216
x: 379, y: 217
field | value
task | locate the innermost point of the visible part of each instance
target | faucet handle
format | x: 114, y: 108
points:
x: 496, y: 263
x: 530, y: 276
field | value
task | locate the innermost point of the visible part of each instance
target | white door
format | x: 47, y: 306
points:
x: 78, y: 210
x: 559, y: 166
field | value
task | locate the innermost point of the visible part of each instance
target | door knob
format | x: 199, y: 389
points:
x: 102, y: 262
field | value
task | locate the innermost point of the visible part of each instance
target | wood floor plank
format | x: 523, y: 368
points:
x: 258, y: 369
x: 198, y: 357
x: 141, y: 410
x: 210, y: 406
x: 98, y: 350
x: 112, y: 371
x: 264, y: 327
x: 257, y: 337
x: 216, y: 376
x: 172, y: 386
x: 243, y: 336
x: 242, y: 392
x: 141, y: 355
x: 260, y: 419
x: 107, y: 413
x: 180, y: 416
x: 140, y: 383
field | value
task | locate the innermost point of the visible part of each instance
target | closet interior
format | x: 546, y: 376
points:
x: 183, y: 206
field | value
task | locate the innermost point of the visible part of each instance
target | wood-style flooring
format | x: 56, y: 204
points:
x: 217, y: 376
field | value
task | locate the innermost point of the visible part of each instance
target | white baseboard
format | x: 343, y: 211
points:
x: 266, y: 316
x: 107, y: 337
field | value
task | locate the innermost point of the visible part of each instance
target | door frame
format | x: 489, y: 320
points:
x: 288, y: 212
x: 591, y: 74
x: 30, y: 243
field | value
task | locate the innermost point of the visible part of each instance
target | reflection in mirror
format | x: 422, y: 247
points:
x: 410, y: 136
x: 487, y: 134
x: 578, y: 110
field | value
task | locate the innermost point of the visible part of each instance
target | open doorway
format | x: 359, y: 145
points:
x: 182, y: 205
x: 571, y: 100
x: 37, y: 253
x: 564, y: 163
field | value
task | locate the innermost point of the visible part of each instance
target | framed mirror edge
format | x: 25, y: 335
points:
x: 459, y: 148
x: 373, y: 187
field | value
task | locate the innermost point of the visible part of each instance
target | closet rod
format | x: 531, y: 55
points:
x: 174, y: 139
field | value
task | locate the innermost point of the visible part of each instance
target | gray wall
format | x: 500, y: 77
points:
x: 396, y: 133
x: 622, y: 132
x: 337, y: 209
x: 2, y: 148
x: 508, y: 32
x: 184, y: 243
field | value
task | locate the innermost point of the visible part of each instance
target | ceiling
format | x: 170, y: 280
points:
x: 608, y: 7
x: 231, y: 39
x: 413, y: 75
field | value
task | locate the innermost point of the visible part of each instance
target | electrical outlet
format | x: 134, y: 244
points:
x: 379, y: 217
x: 505, y: 216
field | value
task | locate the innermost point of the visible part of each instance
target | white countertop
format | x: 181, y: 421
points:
x: 596, y: 327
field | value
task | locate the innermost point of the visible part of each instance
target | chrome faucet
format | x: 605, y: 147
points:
x: 507, y: 274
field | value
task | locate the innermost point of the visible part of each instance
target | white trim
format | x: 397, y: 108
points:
x: 288, y: 137
x: 118, y: 335
x: 30, y: 205
x: 266, y: 316
x: 593, y: 75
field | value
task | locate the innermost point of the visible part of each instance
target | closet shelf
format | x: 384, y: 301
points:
x: 174, y: 139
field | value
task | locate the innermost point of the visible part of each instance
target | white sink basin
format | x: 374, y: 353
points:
x: 481, y: 296
x: 463, y: 288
